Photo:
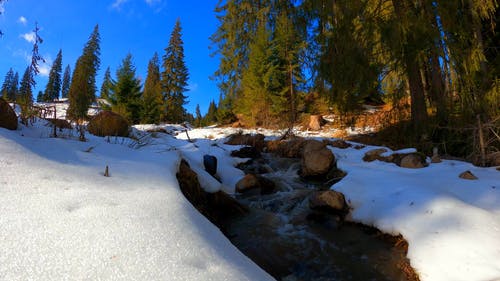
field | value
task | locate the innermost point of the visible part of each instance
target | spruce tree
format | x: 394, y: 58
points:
x: 211, y: 116
x: 25, y: 97
x: 198, y: 117
x: 107, y: 86
x: 152, y: 99
x: 54, y: 84
x: 127, y: 91
x: 82, y: 89
x: 7, y: 84
x: 66, y: 82
x: 174, y: 77
x: 40, y: 97
x: 14, y: 88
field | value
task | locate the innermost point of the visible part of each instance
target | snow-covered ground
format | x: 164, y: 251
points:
x: 61, y: 219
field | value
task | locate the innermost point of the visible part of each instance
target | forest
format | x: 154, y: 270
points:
x: 433, y: 64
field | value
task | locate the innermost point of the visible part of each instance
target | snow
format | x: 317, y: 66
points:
x: 452, y: 225
x: 61, y: 219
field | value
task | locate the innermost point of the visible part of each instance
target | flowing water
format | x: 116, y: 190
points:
x: 291, y: 242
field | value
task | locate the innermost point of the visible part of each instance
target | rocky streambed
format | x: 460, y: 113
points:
x: 288, y: 221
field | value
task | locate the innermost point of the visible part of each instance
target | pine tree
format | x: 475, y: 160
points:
x: 198, y: 117
x: 174, y: 77
x: 152, y: 99
x: 107, y: 86
x: 40, y: 97
x: 127, y: 91
x: 82, y: 89
x: 211, y: 116
x: 14, y: 88
x: 256, y: 82
x: 7, y: 84
x: 25, y: 97
x: 54, y: 84
x: 66, y: 82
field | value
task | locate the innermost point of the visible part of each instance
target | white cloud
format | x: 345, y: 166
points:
x: 117, y: 4
x: 22, y: 20
x: 2, y: 9
x: 29, y: 37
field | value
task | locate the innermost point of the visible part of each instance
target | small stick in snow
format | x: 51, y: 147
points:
x: 106, y: 171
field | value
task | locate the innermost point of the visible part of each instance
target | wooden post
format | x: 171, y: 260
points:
x: 106, y: 171
x: 481, y: 141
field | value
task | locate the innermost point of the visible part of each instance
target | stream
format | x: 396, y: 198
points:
x: 291, y: 242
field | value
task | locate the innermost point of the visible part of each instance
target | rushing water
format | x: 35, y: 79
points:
x: 291, y: 242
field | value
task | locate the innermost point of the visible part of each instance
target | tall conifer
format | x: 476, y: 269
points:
x: 174, y: 77
x: 66, y: 82
x: 53, y: 87
x: 127, y: 91
x: 152, y: 99
x: 82, y: 89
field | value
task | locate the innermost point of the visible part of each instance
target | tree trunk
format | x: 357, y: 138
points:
x: 411, y: 63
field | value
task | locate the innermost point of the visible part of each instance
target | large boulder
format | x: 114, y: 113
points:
x: 330, y: 201
x: 374, y: 154
x: 108, y: 123
x: 317, y: 159
x: 414, y: 160
x: 255, y: 183
x: 8, y: 118
x: 292, y: 148
x: 256, y: 140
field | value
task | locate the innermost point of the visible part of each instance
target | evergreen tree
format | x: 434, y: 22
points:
x: 211, y: 116
x: 14, y: 88
x: 66, y: 82
x: 198, y: 117
x: 40, y: 97
x: 152, y: 99
x: 174, y: 77
x: 257, y: 83
x: 127, y: 91
x: 107, y: 87
x: 7, y: 84
x: 54, y: 84
x: 25, y: 97
x: 82, y: 89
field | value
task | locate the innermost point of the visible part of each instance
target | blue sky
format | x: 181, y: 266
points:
x: 140, y: 27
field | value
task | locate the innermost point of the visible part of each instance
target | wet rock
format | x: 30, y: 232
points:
x: 329, y: 201
x: 210, y: 163
x: 412, y: 161
x: 317, y: 159
x: 374, y: 154
x: 292, y: 148
x: 359, y: 146
x: 255, y: 166
x: 246, y: 152
x: 256, y: 140
x: 467, y: 175
x: 342, y: 144
x: 108, y: 123
x: 217, y: 207
x: 255, y: 183
x: 8, y: 118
